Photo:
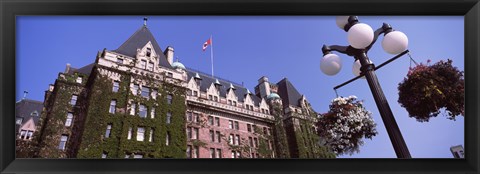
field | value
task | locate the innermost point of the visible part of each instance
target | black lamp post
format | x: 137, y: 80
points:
x: 361, y: 38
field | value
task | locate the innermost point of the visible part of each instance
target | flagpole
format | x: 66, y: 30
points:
x: 211, y: 52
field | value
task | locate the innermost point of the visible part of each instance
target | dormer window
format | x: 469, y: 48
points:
x: 143, y: 64
x: 119, y: 61
x: 149, y: 52
x: 150, y: 66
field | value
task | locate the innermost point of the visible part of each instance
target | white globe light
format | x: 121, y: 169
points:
x: 342, y: 21
x: 356, y: 68
x: 330, y: 64
x: 395, y: 42
x: 360, y: 36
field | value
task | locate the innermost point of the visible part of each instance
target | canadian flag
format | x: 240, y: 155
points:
x: 208, y: 42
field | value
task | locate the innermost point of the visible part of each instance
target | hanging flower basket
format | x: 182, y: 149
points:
x: 428, y: 89
x: 345, y: 124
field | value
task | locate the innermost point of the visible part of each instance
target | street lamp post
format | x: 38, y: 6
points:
x: 361, y: 38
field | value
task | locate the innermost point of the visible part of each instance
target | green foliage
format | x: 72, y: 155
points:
x: 428, y: 89
x: 280, y: 141
x: 93, y: 142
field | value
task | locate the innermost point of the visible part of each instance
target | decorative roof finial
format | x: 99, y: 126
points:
x: 145, y: 21
x: 25, y: 95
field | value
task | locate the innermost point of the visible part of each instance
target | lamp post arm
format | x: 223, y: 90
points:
x: 348, y: 50
x: 386, y: 28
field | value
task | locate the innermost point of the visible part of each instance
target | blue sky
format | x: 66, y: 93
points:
x: 248, y: 47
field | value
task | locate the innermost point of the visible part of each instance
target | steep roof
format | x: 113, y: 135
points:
x: 288, y: 93
x: 138, y: 40
x: 207, y: 80
x: 87, y: 69
x: 25, y: 108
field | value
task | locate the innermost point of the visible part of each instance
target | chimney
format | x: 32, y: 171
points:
x: 263, y: 86
x: 67, y: 68
x: 169, y: 54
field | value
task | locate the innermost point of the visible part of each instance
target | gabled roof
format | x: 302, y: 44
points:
x: 87, y: 69
x: 288, y: 93
x: 138, y: 40
x: 207, y: 80
x: 25, y: 107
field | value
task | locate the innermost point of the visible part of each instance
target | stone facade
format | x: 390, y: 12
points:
x: 135, y: 102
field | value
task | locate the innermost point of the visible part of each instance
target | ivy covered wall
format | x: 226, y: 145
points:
x: 117, y: 145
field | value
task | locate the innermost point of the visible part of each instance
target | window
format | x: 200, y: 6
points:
x: 217, y: 121
x: 79, y: 80
x: 22, y: 134
x: 104, y: 155
x: 145, y: 92
x: 167, y: 139
x: 152, y: 112
x: 169, y: 99
x: 219, y: 136
x: 63, y: 142
x: 254, y: 128
x: 29, y: 135
x: 150, y: 137
x: 234, y: 103
x: 150, y: 66
x: 189, y: 133
x: 212, y: 153
x: 215, y: 98
x: 212, y: 136
x: 195, y: 93
x: 230, y: 124
x: 143, y: 111
x: 229, y: 102
x: 149, y: 52
x: 252, y: 155
x: 237, y: 139
x: 250, y: 141
x: 169, y: 117
x: 195, y: 117
x: 265, y: 130
x: 196, y: 152
x: 113, y: 104
x: 143, y: 64
x: 154, y: 94
x: 116, y: 86
x: 129, y: 134
x: 140, y: 133
x: 107, y: 132
x: 132, y: 109
x: 189, y: 116
x: 119, y: 61
x: 236, y: 125
x: 249, y: 127
x: 195, y: 133
x: 219, y: 153
x: 230, y: 139
x: 210, y: 97
x: 210, y: 120
x: 68, y: 122
x: 189, y: 92
x: 255, y: 140
x: 169, y: 74
x: 138, y: 156
x: 73, y: 101
x: 189, y: 151
x: 135, y: 89
x: 266, y: 111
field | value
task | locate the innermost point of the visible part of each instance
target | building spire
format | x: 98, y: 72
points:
x: 145, y: 21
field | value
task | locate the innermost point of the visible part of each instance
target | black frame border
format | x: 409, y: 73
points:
x: 9, y: 9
